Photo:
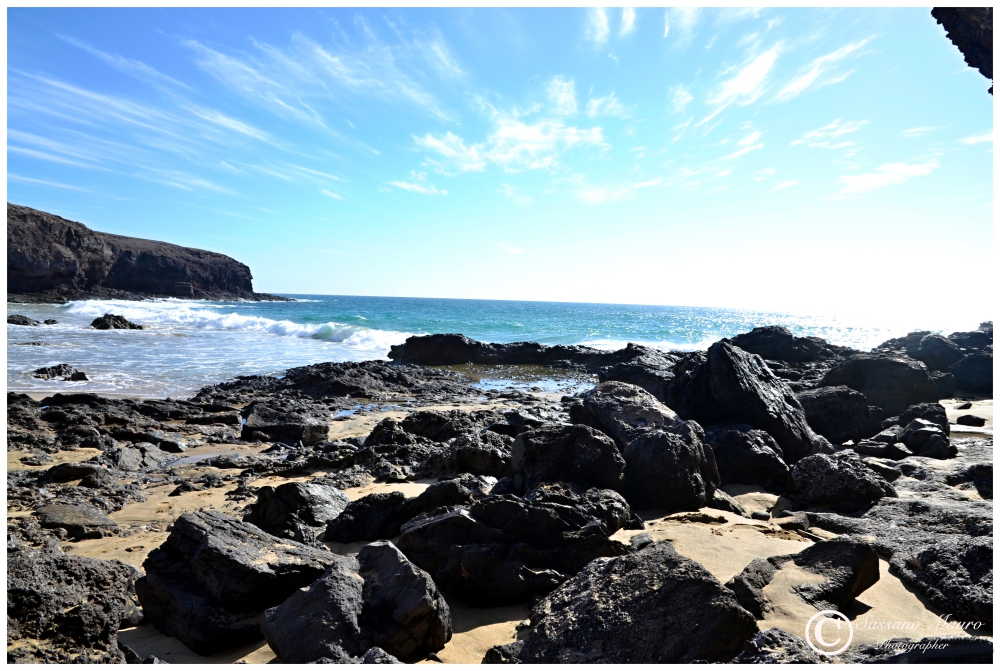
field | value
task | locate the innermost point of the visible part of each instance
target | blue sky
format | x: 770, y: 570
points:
x: 821, y: 160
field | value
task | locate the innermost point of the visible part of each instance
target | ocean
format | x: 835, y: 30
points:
x: 189, y: 344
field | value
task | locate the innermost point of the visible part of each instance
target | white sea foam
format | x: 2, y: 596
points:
x: 175, y: 313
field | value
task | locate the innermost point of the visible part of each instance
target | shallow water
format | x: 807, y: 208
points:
x: 189, y: 344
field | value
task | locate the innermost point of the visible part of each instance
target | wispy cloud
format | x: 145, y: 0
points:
x: 681, y: 21
x: 628, y: 21
x: 457, y: 156
x: 608, y: 105
x: 786, y: 184
x: 825, y: 137
x: 510, y: 249
x: 821, y: 72
x: 331, y: 194
x: 133, y: 68
x: 420, y: 188
x: 887, y: 175
x: 43, y: 182
x: 680, y: 97
x: 597, y: 195
x: 918, y: 131
x: 761, y: 175
x: 597, y: 29
x: 978, y: 139
x: 562, y: 95
x: 511, y: 192
x: 747, y: 84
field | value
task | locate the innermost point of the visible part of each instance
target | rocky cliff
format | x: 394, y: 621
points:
x: 51, y: 259
x: 971, y: 30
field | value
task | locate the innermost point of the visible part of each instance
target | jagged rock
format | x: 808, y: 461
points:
x: 671, y: 470
x: 778, y: 343
x: 69, y: 471
x: 890, y: 382
x: 65, y: 608
x: 975, y: 341
x: 110, y: 321
x: 930, y: 650
x: 79, y: 521
x: 403, y: 613
x: 884, y: 467
x: 624, y: 412
x: 209, y: 581
x: 777, y: 646
x: 926, y: 439
x: 62, y: 372
x: 651, y: 606
x: 558, y: 453
x: 944, y: 382
x: 487, y: 453
x: 504, y: 548
x: 980, y: 475
x: 971, y: 420
x: 452, y: 349
x: 733, y: 386
x: 444, y: 426
x: 288, y: 424
x: 65, y: 260
x: 377, y: 599
x: 289, y: 510
x: 503, y: 654
x: 21, y: 320
x: 722, y: 501
x: 971, y: 30
x: 974, y: 373
x: 932, y: 412
x: 749, y: 457
x: 848, y: 567
x: 650, y: 369
x: 841, y: 481
x: 840, y: 414
x: 379, y: 516
x: 956, y: 575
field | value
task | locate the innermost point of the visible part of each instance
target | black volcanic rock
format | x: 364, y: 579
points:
x: 840, y: 414
x: 110, y: 321
x: 451, y: 349
x: 64, y: 260
x: 729, y: 385
x: 63, y: 608
x: 63, y: 372
x: 841, y: 481
x: 652, y: 606
x: 892, y: 383
x: 213, y: 576
x: 971, y: 30
x: 778, y: 343
x: 974, y: 372
x: 556, y: 453
x: 21, y: 320
x: 749, y: 457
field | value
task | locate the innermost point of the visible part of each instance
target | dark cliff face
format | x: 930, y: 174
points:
x: 971, y: 30
x: 58, y: 258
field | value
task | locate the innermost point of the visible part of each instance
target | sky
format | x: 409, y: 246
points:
x: 816, y: 160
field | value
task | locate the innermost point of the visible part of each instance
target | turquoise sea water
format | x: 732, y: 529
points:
x: 188, y: 344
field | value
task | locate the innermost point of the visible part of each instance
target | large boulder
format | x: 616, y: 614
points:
x: 926, y: 439
x: 110, y: 321
x: 749, y: 456
x: 777, y: 646
x: 505, y: 548
x: 376, y: 600
x: 841, y: 481
x: 673, y: 470
x: 380, y: 515
x: 733, y: 386
x: 840, y: 414
x: 283, y: 424
x: 486, y: 453
x: 649, y: 607
x: 778, y: 343
x: 62, y: 371
x: 80, y: 521
x: 65, y: 608
x: 213, y: 576
x: 974, y: 373
x: 651, y: 369
x: 932, y: 412
x: 624, y: 412
x: 844, y: 568
x: 892, y: 383
x: 559, y: 453
x: 21, y: 320
x: 294, y: 509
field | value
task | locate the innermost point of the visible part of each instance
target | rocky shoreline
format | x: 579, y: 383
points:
x: 691, y: 506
